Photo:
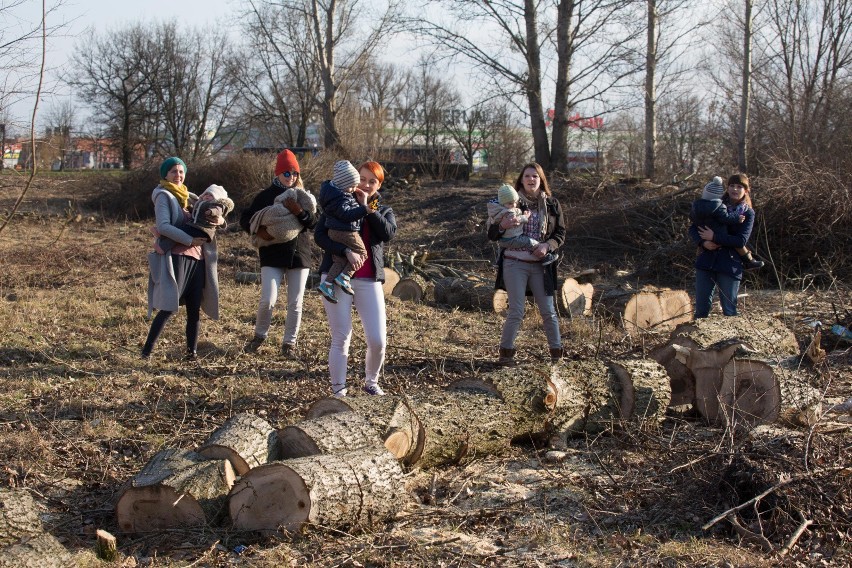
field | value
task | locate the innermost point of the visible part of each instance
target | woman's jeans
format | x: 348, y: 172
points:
x: 270, y: 280
x: 517, y: 276
x: 706, y: 283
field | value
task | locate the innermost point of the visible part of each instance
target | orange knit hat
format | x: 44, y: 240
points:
x: 286, y: 162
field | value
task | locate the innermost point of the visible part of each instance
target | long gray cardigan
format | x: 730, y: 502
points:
x: 162, y: 284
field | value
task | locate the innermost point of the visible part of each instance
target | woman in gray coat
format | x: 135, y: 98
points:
x: 186, y: 274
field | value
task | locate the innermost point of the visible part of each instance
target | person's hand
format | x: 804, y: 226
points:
x: 360, y: 196
x: 742, y: 218
x: 540, y: 250
x: 198, y: 241
x: 509, y: 221
x: 710, y: 245
x: 293, y: 206
x: 262, y: 233
x: 355, y: 259
x: 706, y: 233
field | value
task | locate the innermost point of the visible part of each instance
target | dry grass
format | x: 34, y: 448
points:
x: 80, y: 413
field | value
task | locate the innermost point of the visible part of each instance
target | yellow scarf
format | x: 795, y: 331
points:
x: 179, y: 191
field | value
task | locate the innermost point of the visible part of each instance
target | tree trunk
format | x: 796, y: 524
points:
x: 391, y: 417
x: 246, y: 440
x: 177, y: 488
x: 411, y: 288
x: 328, y: 434
x: 332, y: 490
x: 391, y: 280
x: 641, y: 390
x: 533, y: 86
x: 574, y: 299
x: 464, y: 294
x: 745, y: 91
x: 41, y: 551
x: 19, y: 516
x: 647, y: 309
x: 650, y: 91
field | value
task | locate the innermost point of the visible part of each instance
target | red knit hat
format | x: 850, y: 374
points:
x: 286, y: 162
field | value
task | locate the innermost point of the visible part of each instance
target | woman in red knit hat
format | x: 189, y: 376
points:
x: 281, y: 262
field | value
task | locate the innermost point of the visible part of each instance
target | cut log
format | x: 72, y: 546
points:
x: 541, y: 397
x: 245, y: 439
x: 641, y: 391
x: 500, y: 302
x: 332, y: 490
x: 391, y: 417
x: 247, y: 277
x: 460, y: 426
x: 760, y: 333
x: 19, y: 516
x: 574, y: 299
x: 647, y: 309
x: 326, y: 435
x: 105, y: 546
x: 391, y: 280
x: 177, y: 488
x: 464, y: 294
x: 40, y: 551
x: 411, y: 289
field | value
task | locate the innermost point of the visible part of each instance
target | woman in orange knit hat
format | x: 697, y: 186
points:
x: 281, y: 262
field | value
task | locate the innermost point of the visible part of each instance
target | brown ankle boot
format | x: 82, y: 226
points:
x: 556, y: 354
x: 507, y: 357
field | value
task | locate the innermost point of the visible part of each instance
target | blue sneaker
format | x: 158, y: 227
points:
x: 343, y: 281
x: 374, y: 390
x: 327, y: 290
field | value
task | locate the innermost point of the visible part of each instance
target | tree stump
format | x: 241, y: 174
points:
x: 391, y: 280
x: 326, y: 435
x: 574, y: 299
x: 411, y: 289
x: 176, y: 488
x: 332, y: 490
x: 105, y: 546
x: 246, y: 440
x: 464, y: 294
x: 646, y: 309
x: 391, y: 417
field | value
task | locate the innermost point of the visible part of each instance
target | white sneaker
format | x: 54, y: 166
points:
x: 339, y: 393
x: 374, y: 390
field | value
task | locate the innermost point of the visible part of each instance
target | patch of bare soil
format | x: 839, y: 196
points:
x: 80, y: 413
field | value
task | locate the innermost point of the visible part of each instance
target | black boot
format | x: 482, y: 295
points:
x: 751, y: 263
x: 507, y: 357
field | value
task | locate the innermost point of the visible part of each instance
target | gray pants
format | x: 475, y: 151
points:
x: 517, y: 276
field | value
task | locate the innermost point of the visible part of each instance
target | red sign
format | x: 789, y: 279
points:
x: 577, y: 121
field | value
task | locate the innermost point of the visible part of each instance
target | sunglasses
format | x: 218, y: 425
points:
x: 288, y: 175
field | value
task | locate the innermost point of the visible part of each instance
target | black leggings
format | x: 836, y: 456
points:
x: 190, y: 273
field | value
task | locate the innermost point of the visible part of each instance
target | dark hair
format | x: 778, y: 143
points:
x: 519, y: 185
x: 740, y: 179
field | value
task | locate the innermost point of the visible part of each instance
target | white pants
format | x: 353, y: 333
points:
x: 369, y: 301
x: 270, y: 279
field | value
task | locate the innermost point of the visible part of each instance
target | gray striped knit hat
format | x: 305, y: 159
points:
x: 713, y: 190
x: 345, y: 175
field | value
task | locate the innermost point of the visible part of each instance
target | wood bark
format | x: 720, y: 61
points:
x: 105, y: 546
x: 391, y: 279
x: 411, y: 289
x: 326, y: 435
x: 19, y: 516
x: 574, y: 299
x: 177, y: 488
x: 332, y: 490
x: 246, y: 440
x: 464, y: 294
x: 40, y: 551
x: 543, y: 397
x: 646, y: 309
x: 640, y: 392
x: 392, y: 418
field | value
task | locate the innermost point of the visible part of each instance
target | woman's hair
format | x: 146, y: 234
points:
x: 376, y: 169
x: 740, y: 179
x: 519, y: 185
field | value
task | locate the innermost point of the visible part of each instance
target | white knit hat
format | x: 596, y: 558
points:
x: 345, y: 175
x: 217, y: 191
x: 506, y: 194
x: 715, y: 189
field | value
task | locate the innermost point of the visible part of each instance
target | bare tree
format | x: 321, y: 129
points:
x: 507, y: 142
x: 60, y: 122
x: 745, y: 90
x: 469, y: 129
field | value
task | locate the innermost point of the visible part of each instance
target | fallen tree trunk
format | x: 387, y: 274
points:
x: 574, y: 299
x: 326, y: 435
x: 411, y: 289
x: 640, y: 393
x: 646, y: 309
x: 176, y: 488
x: 392, y: 418
x: 41, y: 551
x: 246, y: 440
x: 391, y: 279
x: 464, y: 294
x: 19, y: 516
x: 331, y: 490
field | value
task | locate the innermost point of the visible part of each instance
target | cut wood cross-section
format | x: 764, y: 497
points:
x: 246, y: 440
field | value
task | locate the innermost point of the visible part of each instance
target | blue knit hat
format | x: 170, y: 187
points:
x: 713, y: 190
x: 169, y: 163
